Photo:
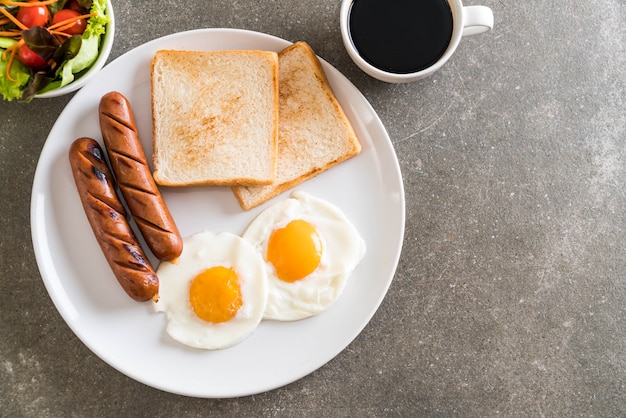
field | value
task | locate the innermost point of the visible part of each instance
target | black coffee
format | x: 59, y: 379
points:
x: 400, y: 36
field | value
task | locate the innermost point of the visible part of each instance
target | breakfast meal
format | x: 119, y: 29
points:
x: 310, y: 248
x: 215, y: 295
x: 314, y: 134
x: 45, y: 45
x: 107, y: 218
x: 134, y: 178
x: 255, y: 121
x: 215, y: 117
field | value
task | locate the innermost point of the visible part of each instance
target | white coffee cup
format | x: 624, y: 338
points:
x: 466, y: 21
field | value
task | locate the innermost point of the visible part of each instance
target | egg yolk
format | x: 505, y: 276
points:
x: 215, y: 294
x: 294, y: 250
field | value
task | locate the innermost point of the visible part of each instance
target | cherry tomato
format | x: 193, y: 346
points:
x: 77, y: 28
x: 30, y: 58
x: 33, y: 16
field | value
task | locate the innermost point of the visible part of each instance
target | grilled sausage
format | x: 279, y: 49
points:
x: 129, y: 164
x: 107, y: 218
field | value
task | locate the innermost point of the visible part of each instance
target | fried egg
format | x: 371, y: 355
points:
x: 215, y: 295
x: 310, y: 250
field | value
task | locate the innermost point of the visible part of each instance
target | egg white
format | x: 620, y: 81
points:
x: 342, y: 250
x: 200, y: 252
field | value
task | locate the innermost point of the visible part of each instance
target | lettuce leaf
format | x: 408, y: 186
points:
x: 13, y: 90
x: 97, y: 24
x: 7, y: 42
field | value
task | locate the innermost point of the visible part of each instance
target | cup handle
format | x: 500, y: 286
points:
x: 476, y: 20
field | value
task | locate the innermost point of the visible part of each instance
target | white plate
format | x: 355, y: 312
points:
x: 129, y: 335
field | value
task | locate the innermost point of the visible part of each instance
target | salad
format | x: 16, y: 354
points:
x: 46, y: 44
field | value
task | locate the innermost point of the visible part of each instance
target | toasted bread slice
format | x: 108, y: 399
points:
x: 215, y: 117
x: 314, y: 133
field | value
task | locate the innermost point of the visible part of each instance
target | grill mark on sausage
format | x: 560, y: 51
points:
x: 123, y: 155
x: 152, y: 225
x: 132, y: 250
x: 137, y: 188
x: 99, y: 174
x: 125, y: 123
x: 129, y: 162
x: 113, y: 205
x: 107, y: 217
x: 134, y: 177
x: 121, y: 125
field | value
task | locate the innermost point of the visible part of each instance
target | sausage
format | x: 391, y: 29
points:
x: 107, y: 218
x: 129, y: 164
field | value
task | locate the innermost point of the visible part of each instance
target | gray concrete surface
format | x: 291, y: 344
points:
x: 510, y: 295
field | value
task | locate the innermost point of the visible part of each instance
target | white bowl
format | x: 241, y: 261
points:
x: 106, y: 44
